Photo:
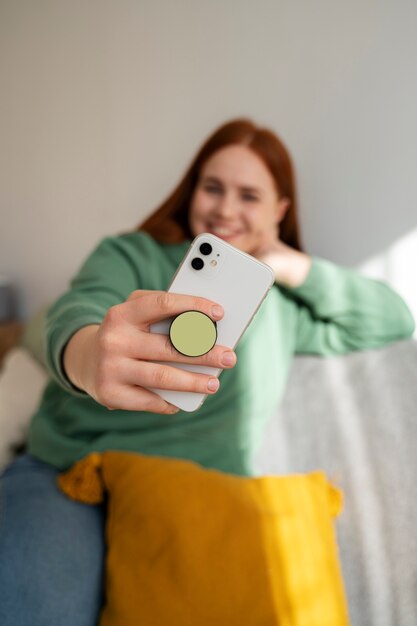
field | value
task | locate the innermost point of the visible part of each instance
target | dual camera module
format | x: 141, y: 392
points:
x: 198, y: 263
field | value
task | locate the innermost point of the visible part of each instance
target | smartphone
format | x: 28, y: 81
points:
x: 214, y: 269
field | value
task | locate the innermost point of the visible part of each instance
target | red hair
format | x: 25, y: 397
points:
x: 169, y: 222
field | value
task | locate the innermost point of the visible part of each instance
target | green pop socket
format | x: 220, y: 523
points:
x: 193, y: 333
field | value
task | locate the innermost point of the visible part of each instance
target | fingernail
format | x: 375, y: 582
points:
x: 213, y: 384
x: 217, y: 311
x: 228, y: 358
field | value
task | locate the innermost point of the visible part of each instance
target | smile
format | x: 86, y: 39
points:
x: 224, y: 233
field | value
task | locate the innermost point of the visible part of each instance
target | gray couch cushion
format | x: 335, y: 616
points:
x: 355, y: 416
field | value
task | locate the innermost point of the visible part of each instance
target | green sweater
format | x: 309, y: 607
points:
x: 335, y: 310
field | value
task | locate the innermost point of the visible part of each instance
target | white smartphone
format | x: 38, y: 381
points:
x: 216, y: 270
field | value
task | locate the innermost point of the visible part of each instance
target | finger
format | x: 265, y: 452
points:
x: 150, y: 307
x: 139, y: 293
x: 157, y: 347
x: 134, y: 398
x: 157, y: 376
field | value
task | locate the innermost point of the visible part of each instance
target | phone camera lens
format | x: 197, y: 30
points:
x: 205, y: 248
x: 197, y: 263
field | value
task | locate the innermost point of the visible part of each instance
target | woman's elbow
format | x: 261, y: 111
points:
x: 406, y: 322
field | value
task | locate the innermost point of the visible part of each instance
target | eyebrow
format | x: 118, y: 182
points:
x: 244, y: 188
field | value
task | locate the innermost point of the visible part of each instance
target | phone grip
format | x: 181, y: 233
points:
x: 193, y: 333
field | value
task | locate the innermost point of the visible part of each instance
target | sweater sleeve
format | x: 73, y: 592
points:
x: 106, y: 278
x: 340, y: 310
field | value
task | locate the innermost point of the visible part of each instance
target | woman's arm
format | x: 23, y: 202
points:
x: 290, y: 266
x: 106, y: 278
x: 98, y: 338
x: 339, y: 310
x: 76, y: 355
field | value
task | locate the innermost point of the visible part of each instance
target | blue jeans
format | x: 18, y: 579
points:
x: 52, y: 550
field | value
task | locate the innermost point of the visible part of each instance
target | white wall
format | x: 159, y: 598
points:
x: 103, y: 103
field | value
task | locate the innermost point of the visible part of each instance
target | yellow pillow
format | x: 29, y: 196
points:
x: 189, y: 546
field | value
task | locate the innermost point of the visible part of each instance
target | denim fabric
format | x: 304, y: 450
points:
x: 52, y: 550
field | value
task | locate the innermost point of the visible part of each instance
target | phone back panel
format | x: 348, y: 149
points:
x: 230, y: 277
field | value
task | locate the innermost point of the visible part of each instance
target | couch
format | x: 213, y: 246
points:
x: 352, y: 415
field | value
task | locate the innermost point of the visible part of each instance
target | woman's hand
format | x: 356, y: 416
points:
x: 290, y: 266
x: 112, y: 361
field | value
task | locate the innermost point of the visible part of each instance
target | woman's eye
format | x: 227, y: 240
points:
x: 212, y: 189
x: 249, y: 198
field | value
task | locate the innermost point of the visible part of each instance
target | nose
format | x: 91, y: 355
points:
x: 226, y: 206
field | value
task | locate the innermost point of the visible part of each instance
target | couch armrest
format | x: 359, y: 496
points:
x: 10, y: 334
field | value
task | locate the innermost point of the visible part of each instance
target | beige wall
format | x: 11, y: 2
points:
x: 104, y: 102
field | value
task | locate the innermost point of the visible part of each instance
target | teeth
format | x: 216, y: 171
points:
x: 224, y: 231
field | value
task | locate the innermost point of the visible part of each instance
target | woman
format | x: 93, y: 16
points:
x: 240, y: 187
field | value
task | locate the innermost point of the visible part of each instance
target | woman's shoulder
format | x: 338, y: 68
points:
x: 153, y: 261
x: 138, y: 241
x: 142, y: 243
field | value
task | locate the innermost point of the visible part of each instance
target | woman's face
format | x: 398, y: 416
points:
x: 236, y: 199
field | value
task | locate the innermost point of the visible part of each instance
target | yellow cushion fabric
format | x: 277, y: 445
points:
x: 189, y: 546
